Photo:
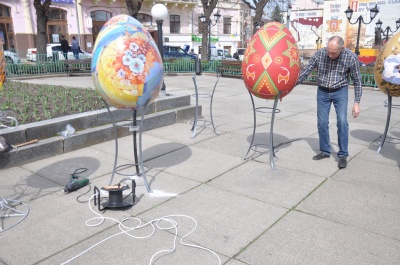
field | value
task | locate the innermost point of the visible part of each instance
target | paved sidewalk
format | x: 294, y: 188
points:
x: 303, y: 212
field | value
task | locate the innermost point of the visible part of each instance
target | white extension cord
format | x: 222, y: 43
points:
x: 155, y: 223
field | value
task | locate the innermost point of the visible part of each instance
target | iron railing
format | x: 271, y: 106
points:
x: 47, y: 67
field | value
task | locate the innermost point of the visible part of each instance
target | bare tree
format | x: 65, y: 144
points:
x: 208, y: 8
x: 133, y: 7
x: 42, y: 12
x: 258, y: 7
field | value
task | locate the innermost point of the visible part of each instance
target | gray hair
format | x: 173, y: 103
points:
x: 338, y: 40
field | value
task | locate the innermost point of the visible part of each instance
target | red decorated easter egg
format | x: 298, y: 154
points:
x: 271, y: 63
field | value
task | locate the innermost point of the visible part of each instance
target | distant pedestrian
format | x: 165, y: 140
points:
x: 75, y: 47
x: 236, y: 56
x: 64, y: 46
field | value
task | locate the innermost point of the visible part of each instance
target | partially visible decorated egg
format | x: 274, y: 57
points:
x: 2, y: 67
x: 387, y: 67
x: 127, y: 68
x: 271, y: 63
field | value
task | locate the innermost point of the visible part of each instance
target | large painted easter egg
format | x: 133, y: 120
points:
x: 271, y: 63
x: 127, y: 68
x: 387, y: 67
x: 2, y: 67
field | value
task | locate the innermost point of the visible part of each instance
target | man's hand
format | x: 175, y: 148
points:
x: 356, y: 110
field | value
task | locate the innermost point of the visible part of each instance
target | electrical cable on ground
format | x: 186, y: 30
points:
x: 155, y: 223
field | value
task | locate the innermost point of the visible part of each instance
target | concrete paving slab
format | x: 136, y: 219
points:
x: 300, y: 159
x: 223, y: 125
x: 59, y: 168
x: 305, y: 239
x: 151, y: 147
x: 283, y: 187
x: 195, y: 163
x: 234, y: 262
x: 223, y: 144
x: 54, y: 223
x: 372, y: 174
x: 389, y: 154
x: 226, y: 222
x: 126, y: 249
x: 23, y: 185
x: 181, y: 133
x: 360, y: 207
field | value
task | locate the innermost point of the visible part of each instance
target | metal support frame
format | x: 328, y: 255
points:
x: 8, y: 209
x: 389, y: 106
x: 139, y: 165
x: 7, y: 120
x: 271, y: 134
x: 197, y: 95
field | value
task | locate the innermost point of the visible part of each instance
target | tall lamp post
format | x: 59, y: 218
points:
x: 319, y: 43
x: 349, y: 12
x: 288, y: 13
x: 160, y: 12
x: 209, y: 23
x: 379, y: 26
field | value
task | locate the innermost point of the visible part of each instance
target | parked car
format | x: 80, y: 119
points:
x: 241, y: 52
x: 11, y: 57
x: 54, y: 53
x: 220, y: 54
x: 177, y: 52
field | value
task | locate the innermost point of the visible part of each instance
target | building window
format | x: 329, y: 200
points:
x: 4, y: 11
x: 227, y: 25
x: 57, y: 14
x: 144, y: 18
x: 174, y: 23
x: 57, y: 25
x: 99, y: 18
x: 6, y: 28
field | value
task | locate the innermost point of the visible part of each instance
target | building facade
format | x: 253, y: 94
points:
x: 85, y: 18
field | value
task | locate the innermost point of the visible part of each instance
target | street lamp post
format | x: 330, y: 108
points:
x: 349, y: 12
x: 207, y: 22
x: 288, y: 13
x: 318, y: 42
x: 160, y: 13
x: 379, y: 26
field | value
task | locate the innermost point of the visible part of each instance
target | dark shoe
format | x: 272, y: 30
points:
x: 342, y: 162
x: 320, y: 156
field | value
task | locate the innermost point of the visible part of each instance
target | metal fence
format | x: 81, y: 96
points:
x: 45, y: 67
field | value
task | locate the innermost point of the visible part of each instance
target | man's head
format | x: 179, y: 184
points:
x: 335, y: 47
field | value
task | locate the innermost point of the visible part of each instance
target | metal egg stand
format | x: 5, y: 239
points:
x: 197, y: 95
x: 115, y: 192
x: 8, y: 208
x: 389, y: 106
x: 273, y: 111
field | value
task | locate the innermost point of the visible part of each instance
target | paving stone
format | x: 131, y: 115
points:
x: 305, y: 239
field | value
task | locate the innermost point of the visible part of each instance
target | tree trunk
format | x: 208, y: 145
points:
x: 42, y: 11
x: 208, y: 8
x: 133, y: 7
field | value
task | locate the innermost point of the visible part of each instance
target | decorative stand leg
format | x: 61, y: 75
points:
x: 389, y: 106
x: 139, y: 166
x: 8, y: 210
x: 197, y: 95
x: 271, y: 136
x: 6, y: 121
